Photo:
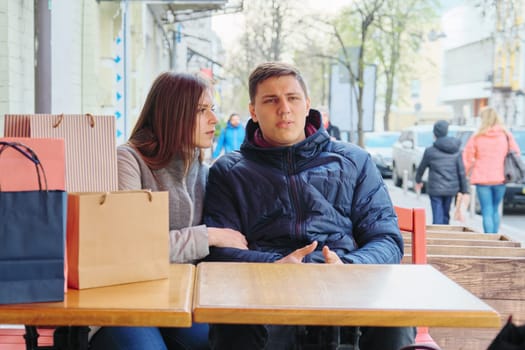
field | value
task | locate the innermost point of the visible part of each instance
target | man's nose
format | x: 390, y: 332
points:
x: 284, y: 106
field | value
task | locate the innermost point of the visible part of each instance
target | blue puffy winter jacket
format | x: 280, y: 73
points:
x: 284, y: 198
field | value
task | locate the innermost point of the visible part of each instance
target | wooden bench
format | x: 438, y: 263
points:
x: 431, y: 240
x: 489, y: 267
x: 473, y: 251
x: 466, y: 232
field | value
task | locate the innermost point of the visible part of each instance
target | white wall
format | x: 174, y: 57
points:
x: 16, y: 58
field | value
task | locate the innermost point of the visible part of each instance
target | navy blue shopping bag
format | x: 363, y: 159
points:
x: 32, y: 234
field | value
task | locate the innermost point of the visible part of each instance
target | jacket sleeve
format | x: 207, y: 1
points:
x: 513, y: 144
x: 240, y: 255
x: 469, y: 153
x: 422, y: 166
x: 462, y: 176
x: 376, y: 230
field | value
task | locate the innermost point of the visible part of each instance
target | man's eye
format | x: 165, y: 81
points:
x: 270, y: 100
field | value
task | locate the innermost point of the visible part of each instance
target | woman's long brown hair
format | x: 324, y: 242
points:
x: 166, y: 124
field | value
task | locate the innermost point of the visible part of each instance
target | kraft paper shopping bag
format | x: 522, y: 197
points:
x: 32, y: 233
x: 117, y: 237
x: 90, y: 146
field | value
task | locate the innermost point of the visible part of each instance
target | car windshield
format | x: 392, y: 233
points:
x: 519, y: 135
x: 380, y: 140
x: 425, y: 139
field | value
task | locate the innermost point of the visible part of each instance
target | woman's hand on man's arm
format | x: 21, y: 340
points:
x: 226, y: 238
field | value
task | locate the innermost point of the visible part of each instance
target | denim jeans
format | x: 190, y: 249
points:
x: 259, y: 337
x: 145, y: 338
x: 440, y: 209
x: 490, y: 197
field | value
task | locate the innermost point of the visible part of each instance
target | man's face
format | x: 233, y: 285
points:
x: 280, y: 107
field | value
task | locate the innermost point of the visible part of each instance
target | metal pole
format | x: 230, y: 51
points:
x: 43, y: 57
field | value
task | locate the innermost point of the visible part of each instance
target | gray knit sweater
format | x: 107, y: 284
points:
x: 188, y: 238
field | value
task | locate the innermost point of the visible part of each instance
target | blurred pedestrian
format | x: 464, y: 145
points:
x: 231, y: 136
x: 483, y: 158
x: 446, y: 173
x: 332, y: 130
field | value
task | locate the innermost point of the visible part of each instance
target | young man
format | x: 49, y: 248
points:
x: 299, y: 197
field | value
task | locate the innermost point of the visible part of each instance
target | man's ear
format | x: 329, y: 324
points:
x: 251, y: 107
x: 308, y: 104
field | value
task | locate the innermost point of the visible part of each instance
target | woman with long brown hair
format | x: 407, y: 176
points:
x: 165, y: 153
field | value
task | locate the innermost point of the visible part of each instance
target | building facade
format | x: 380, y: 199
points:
x: 99, y: 56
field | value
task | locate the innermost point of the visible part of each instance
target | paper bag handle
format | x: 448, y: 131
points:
x: 90, y: 117
x: 105, y: 195
x: 27, y: 152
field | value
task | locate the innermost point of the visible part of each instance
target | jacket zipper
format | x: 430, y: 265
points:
x: 294, y: 196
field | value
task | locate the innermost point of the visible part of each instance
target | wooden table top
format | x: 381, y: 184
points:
x: 165, y: 302
x: 321, y: 294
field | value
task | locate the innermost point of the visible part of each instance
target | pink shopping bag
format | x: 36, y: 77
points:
x: 16, y: 174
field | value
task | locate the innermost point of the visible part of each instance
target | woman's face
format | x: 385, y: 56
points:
x: 206, y: 121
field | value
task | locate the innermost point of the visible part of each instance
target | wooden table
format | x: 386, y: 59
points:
x: 338, y: 295
x: 164, y: 302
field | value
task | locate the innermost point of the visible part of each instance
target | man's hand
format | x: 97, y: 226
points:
x: 296, y: 257
x: 330, y: 257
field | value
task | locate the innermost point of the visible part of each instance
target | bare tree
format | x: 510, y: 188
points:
x: 266, y: 36
x: 352, y: 29
x: 398, y: 36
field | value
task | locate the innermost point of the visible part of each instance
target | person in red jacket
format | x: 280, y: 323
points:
x: 483, y: 157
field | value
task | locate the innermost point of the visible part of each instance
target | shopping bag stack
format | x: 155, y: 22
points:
x: 113, y: 236
x: 33, y: 207
x: 91, y: 163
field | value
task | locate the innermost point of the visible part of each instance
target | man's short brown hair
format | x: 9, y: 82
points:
x: 273, y: 69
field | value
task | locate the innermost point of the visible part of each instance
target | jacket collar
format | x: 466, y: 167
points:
x: 279, y: 156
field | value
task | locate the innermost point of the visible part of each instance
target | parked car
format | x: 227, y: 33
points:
x: 408, y: 150
x: 379, y: 145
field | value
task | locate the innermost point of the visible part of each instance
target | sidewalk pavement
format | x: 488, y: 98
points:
x: 412, y: 200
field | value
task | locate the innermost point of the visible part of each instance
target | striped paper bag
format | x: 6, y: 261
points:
x: 90, y: 142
